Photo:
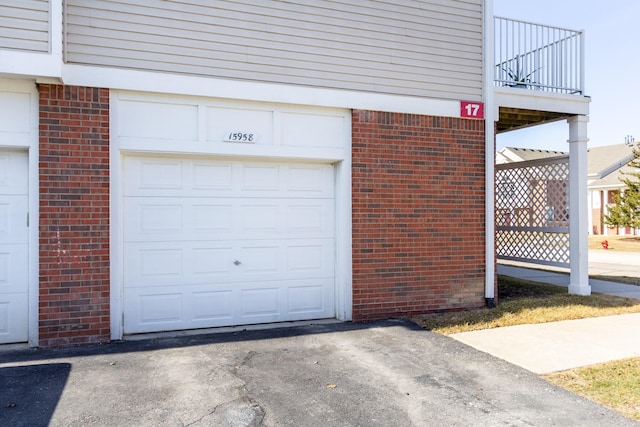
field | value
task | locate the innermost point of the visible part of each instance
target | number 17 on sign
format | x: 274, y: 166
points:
x: 472, y: 110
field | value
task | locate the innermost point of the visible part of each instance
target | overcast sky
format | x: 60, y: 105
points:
x: 612, y: 39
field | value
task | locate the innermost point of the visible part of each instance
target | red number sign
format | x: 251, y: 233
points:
x: 472, y: 110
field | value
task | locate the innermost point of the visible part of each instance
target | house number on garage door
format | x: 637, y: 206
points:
x: 239, y: 136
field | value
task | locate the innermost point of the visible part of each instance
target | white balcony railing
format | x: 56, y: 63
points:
x: 534, y: 56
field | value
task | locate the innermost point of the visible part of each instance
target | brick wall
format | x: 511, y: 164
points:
x: 418, y: 214
x: 74, y: 215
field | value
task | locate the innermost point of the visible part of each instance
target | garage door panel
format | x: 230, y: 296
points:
x: 13, y: 219
x: 163, y: 263
x: 213, y: 305
x: 310, y: 298
x: 260, y: 217
x: 160, y: 262
x: 161, y: 308
x: 216, y: 176
x: 209, y: 262
x: 310, y: 179
x: 13, y: 293
x: 259, y: 178
x: 167, y: 177
x: 167, y: 308
x: 213, y: 220
x: 310, y: 218
x: 13, y: 176
x: 13, y: 317
x: 218, y: 243
x: 261, y: 304
x: 157, y: 219
x: 261, y: 258
x: 309, y: 257
x: 288, y: 300
x: 14, y: 268
x: 160, y: 219
x: 160, y: 174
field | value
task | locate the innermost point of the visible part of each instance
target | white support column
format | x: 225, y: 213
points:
x: 605, y: 211
x: 621, y: 231
x: 590, y: 195
x: 578, y: 209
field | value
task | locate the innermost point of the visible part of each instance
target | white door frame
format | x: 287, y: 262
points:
x: 28, y: 141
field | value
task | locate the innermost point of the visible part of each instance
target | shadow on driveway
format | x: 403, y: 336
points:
x: 29, y: 394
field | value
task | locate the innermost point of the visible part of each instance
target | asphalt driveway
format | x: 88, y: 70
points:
x: 387, y: 373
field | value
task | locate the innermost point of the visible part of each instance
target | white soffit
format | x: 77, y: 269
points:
x: 527, y: 99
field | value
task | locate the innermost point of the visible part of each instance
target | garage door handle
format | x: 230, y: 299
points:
x: 236, y: 262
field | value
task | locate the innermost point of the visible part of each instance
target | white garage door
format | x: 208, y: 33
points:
x: 217, y: 243
x: 13, y: 246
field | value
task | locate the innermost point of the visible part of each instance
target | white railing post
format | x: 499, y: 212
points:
x: 578, y: 209
x: 535, y: 56
x: 582, y: 62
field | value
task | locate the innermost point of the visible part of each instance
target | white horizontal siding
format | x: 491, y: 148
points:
x: 423, y: 48
x: 24, y: 25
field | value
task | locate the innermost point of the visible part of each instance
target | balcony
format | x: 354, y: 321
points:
x: 538, y: 57
x: 538, y: 74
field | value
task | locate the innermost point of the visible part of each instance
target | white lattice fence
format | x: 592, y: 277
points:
x: 532, y: 211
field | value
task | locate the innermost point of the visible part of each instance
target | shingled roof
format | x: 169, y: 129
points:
x: 606, y: 165
x: 514, y: 154
x: 602, y: 161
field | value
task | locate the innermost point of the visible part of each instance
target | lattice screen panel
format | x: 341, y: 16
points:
x: 532, y: 211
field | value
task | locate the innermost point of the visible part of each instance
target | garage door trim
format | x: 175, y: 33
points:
x: 336, y: 154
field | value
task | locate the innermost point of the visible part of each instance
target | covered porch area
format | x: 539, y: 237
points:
x: 541, y: 210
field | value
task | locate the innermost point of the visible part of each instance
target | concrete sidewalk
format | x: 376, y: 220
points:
x: 562, y: 279
x: 558, y: 346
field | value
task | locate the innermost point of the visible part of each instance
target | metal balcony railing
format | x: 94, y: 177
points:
x: 539, y: 57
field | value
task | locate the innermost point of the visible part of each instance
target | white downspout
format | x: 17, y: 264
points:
x: 490, y: 113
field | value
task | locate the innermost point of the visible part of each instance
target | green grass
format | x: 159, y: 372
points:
x: 615, y: 385
x: 616, y: 243
x: 618, y: 279
x: 523, y: 302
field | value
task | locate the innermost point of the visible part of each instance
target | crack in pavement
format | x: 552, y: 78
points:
x: 258, y: 412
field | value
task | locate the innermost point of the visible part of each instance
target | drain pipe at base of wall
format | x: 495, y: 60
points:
x: 489, y: 120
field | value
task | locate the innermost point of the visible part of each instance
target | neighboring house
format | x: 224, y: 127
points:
x: 606, y: 166
x: 175, y: 165
x: 514, y: 154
